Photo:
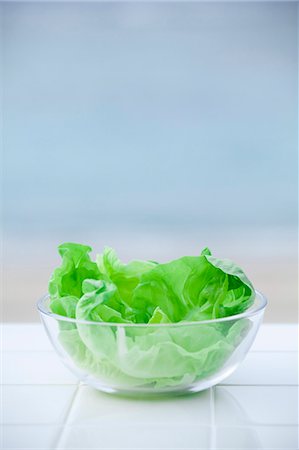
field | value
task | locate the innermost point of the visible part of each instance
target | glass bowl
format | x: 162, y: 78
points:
x: 142, y: 359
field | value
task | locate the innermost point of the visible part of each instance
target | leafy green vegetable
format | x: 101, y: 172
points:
x: 65, y: 286
x: 125, y: 276
x: 159, y: 357
x: 193, y: 288
x: 171, y: 300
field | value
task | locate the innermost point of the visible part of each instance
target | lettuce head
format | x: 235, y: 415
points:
x: 174, y: 302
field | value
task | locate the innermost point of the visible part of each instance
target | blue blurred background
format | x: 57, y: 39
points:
x: 156, y: 128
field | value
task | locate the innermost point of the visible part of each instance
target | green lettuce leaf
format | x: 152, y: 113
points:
x: 107, y: 296
x: 193, y: 289
x: 65, y: 285
x: 157, y: 357
x: 125, y: 276
x: 101, y: 302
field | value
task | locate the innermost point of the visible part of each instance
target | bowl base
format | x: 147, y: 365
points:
x: 150, y: 392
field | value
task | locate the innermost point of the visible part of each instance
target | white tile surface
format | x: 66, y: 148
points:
x: 35, y: 368
x: 24, y: 337
x: 256, y: 405
x: 131, y: 437
x: 180, y: 422
x: 236, y: 438
x: 276, y: 337
x: 36, y: 404
x: 278, y: 437
x: 41, y: 437
x: 95, y: 408
x: 281, y: 437
x: 266, y: 368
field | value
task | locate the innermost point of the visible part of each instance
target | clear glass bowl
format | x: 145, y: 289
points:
x: 156, y: 358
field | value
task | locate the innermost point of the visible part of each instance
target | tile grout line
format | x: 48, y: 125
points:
x: 212, y: 419
x: 259, y: 384
x: 66, y: 418
x: 219, y: 384
x: 14, y: 351
x: 38, y: 384
x: 241, y: 426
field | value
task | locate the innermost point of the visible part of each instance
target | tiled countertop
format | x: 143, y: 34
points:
x: 44, y: 406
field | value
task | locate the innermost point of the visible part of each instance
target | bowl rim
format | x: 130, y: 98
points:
x: 252, y: 311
